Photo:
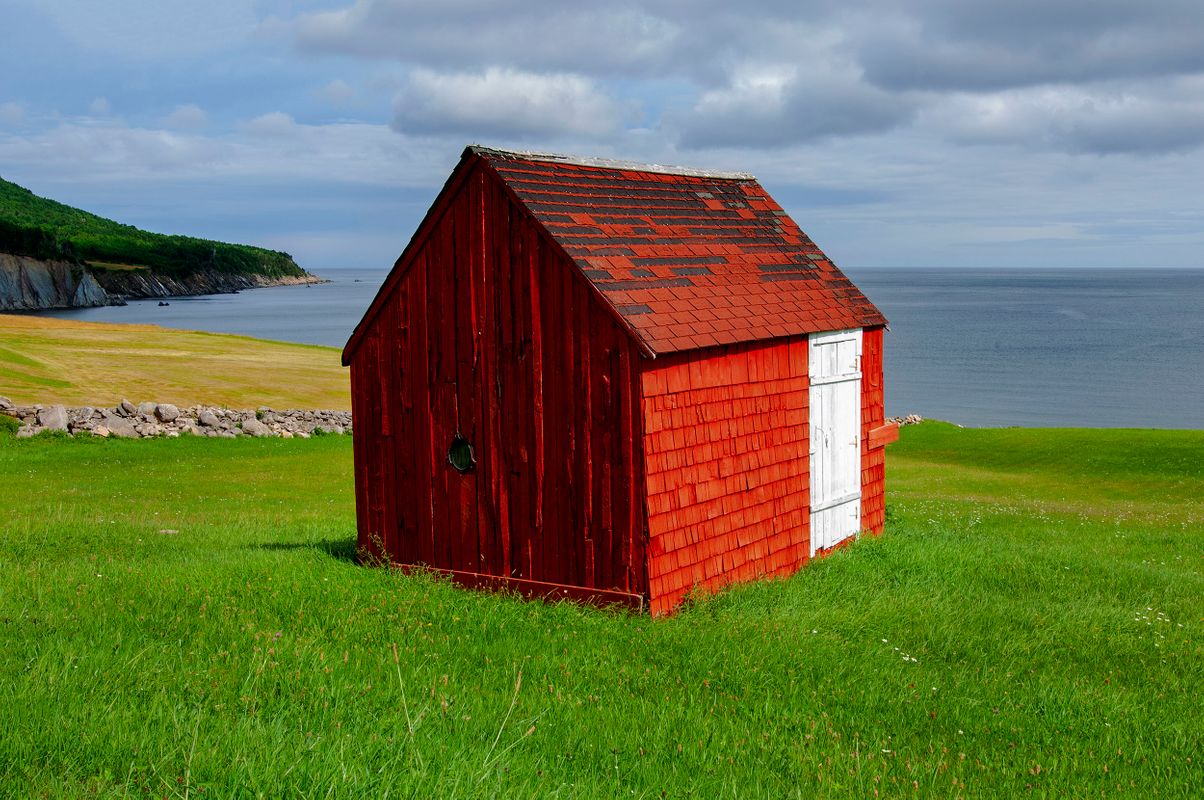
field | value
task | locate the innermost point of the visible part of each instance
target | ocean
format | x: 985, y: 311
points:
x: 323, y: 313
x: 1028, y: 347
x: 1044, y: 348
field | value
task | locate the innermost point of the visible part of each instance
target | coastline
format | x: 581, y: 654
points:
x: 29, y: 284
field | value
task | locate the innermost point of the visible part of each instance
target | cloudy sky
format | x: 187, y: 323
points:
x: 897, y: 133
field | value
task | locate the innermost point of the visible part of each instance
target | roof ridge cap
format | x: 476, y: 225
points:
x: 611, y: 163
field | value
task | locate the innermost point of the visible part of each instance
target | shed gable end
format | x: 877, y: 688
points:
x: 489, y: 338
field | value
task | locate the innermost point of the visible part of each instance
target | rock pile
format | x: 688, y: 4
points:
x: 910, y: 419
x: 164, y: 419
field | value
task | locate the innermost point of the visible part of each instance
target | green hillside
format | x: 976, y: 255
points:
x: 35, y: 226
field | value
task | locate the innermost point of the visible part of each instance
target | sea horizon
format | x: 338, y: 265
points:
x: 976, y: 346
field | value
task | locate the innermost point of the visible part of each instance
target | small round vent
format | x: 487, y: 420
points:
x: 460, y: 455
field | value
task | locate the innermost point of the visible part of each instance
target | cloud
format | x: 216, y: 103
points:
x: 467, y: 34
x: 998, y: 234
x: 502, y: 102
x: 132, y: 29
x: 856, y: 68
x: 272, y: 147
x: 100, y: 106
x: 788, y: 104
x: 987, y: 52
x: 1048, y: 131
x: 923, y: 44
x: 88, y: 148
x: 273, y: 125
x: 336, y: 92
x: 11, y: 113
x: 1097, y: 120
x: 186, y: 117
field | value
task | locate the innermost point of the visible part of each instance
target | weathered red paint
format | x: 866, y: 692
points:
x: 458, y: 346
x: 626, y: 351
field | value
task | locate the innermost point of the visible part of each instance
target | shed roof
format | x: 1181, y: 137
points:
x: 687, y: 258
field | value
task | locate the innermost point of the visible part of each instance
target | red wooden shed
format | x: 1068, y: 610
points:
x: 614, y: 381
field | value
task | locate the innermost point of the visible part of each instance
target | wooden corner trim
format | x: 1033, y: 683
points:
x: 883, y: 435
x: 530, y: 589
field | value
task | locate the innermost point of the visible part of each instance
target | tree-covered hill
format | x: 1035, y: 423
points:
x: 36, y: 226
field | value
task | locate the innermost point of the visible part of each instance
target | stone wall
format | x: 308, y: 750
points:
x: 164, y: 419
x: 910, y: 419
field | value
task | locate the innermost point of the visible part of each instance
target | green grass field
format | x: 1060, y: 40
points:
x: 185, y: 619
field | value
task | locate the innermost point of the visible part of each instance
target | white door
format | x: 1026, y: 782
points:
x: 834, y: 366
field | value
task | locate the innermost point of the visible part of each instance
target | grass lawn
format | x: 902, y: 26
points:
x: 184, y: 619
x: 97, y: 364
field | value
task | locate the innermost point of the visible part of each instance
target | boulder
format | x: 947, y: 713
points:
x: 119, y: 426
x: 166, y: 412
x: 53, y: 418
x: 100, y: 430
x: 26, y: 432
x: 127, y: 408
x: 5, y: 403
x: 207, y: 418
x: 147, y: 409
x: 254, y: 427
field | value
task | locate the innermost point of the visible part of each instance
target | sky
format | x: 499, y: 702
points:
x: 1026, y: 133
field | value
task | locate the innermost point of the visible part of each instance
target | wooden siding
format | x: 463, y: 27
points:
x: 725, y: 442
x: 490, y: 331
x: 873, y: 459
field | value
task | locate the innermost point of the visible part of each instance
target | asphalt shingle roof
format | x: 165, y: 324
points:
x: 688, y: 258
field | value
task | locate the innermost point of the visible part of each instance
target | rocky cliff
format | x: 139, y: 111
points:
x: 27, y: 284
x: 144, y: 283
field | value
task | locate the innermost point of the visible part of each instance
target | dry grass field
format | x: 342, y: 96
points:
x: 45, y: 360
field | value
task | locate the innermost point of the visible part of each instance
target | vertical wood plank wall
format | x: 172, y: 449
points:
x: 873, y: 414
x: 492, y: 334
x: 725, y: 442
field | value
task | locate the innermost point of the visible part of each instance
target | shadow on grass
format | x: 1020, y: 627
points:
x: 341, y: 549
